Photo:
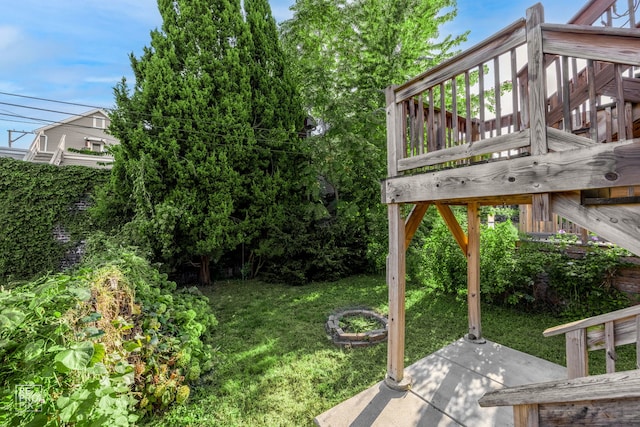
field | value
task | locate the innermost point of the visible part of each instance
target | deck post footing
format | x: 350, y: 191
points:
x: 472, y: 339
x: 403, y: 385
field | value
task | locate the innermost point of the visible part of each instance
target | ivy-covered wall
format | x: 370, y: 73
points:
x: 37, y: 203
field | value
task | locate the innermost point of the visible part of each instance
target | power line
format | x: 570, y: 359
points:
x: 52, y: 100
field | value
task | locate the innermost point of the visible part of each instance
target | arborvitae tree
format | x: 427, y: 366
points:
x: 211, y: 161
x: 184, y: 129
x: 286, y: 177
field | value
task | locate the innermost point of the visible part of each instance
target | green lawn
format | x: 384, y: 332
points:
x: 277, y: 367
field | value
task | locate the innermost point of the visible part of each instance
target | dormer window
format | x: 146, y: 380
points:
x: 99, y: 122
x: 94, y: 144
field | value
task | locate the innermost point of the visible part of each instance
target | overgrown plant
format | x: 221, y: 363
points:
x: 103, y: 346
x: 36, y: 200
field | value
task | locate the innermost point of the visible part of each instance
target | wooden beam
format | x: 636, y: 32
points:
x: 394, y: 132
x: 487, y: 146
x: 616, y: 223
x: 473, y: 271
x: 453, y: 225
x: 396, y: 266
x: 596, y: 43
x: 620, y: 385
x: 595, y: 166
x: 413, y: 221
x: 526, y: 416
x: 537, y: 81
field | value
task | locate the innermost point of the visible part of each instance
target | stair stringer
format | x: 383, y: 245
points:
x: 619, y: 224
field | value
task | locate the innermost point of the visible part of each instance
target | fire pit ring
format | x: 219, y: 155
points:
x: 348, y: 338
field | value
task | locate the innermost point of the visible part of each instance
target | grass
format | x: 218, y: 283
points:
x: 277, y: 367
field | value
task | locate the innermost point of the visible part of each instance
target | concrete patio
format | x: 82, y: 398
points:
x: 446, y: 388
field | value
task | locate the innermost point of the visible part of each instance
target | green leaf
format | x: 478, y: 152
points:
x: 33, y: 349
x: 132, y: 345
x: 83, y: 294
x: 93, y: 332
x: 10, y: 318
x: 75, y: 358
x: 95, y: 316
x: 66, y: 415
x: 98, y: 353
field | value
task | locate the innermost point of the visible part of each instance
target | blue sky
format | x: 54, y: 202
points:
x: 76, y: 51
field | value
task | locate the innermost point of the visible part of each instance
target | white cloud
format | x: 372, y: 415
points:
x: 9, y: 37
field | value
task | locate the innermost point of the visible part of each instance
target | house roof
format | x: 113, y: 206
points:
x: 71, y: 118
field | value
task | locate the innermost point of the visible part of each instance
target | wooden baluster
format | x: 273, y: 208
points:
x: 412, y: 128
x: 577, y: 114
x: 620, y: 107
x: 467, y: 91
x: 514, y: 90
x: 610, y: 346
x: 566, y: 96
x: 420, y: 125
x: 442, y: 132
x: 496, y: 82
x: 577, y: 358
x: 593, y: 112
x: 481, y: 98
x: 454, y: 112
x: 431, y: 123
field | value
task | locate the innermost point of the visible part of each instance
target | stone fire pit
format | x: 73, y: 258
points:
x: 344, y: 330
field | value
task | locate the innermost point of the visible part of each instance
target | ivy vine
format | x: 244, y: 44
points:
x: 36, y: 199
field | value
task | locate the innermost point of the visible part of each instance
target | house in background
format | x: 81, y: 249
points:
x: 79, y: 140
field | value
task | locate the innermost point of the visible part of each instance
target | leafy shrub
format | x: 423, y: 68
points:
x: 104, y: 345
x: 443, y: 266
x: 529, y: 275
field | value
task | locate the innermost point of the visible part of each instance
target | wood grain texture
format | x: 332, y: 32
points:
x: 502, y: 42
x: 537, y: 81
x: 619, y: 385
x: 595, y: 166
x: 615, y: 223
x: 393, y: 133
x: 473, y: 270
x: 413, y: 221
x: 396, y: 272
x: 593, y: 321
x: 606, y: 44
x: 592, y: 413
x: 487, y: 146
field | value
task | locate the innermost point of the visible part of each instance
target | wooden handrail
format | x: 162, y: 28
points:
x: 605, y: 386
x: 606, y: 331
x: 602, y: 400
x: 496, y: 45
x: 593, y: 321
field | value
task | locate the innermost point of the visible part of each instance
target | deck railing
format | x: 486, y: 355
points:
x: 606, y: 332
x: 497, y: 99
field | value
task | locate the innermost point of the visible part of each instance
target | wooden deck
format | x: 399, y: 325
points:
x: 446, y: 388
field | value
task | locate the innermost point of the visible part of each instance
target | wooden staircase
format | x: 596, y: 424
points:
x: 539, y: 114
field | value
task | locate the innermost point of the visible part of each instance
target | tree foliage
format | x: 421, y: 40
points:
x: 348, y: 52
x: 208, y: 133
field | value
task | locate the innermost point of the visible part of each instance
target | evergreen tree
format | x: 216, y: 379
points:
x: 183, y: 131
x: 286, y: 176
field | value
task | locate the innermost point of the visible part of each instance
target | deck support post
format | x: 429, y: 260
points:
x: 396, y: 269
x: 537, y: 104
x: 396, y: 265
x: 473, y: 272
